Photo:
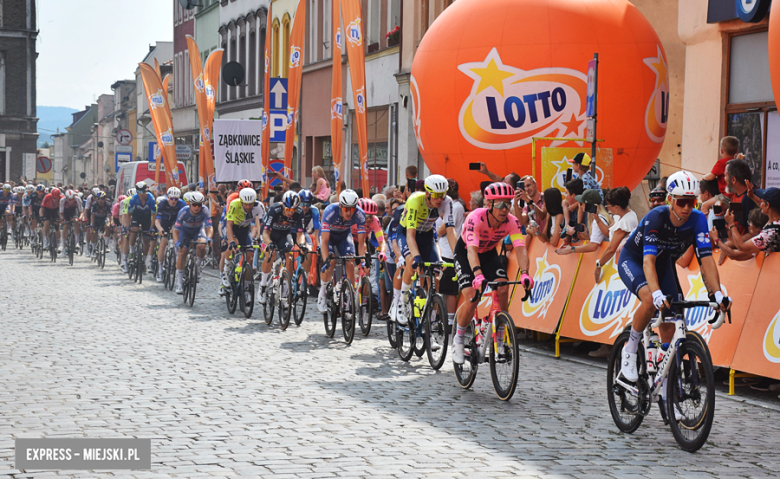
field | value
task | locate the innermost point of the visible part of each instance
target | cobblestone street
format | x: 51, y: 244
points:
x: 86, y: 353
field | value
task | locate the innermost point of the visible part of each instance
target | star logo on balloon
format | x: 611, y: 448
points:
x: 508, y: 106
x: 657, y: 111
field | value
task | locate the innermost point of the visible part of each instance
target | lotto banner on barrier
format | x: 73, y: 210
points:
x: 553, y: 276
x: 598, y: 312
x: 555, y: 162
x: 758, y: 351
x: 738, y: 280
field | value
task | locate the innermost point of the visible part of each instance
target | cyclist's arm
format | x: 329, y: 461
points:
x: 522, y: 258
x: 472, y: 253
x: 362, y: 244
x: 267, y: 236
x: 299, y: 239
x: 158, y: 225
x: 710, y: 275
x: 229, y: 230
x: 324, y: 241
x: 209, y: 231
x: 411, y: 241
x: 651, y: 275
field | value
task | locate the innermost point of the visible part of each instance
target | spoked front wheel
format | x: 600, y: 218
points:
x: 246, y: 289
x: 690, y: 396
x: 436, y: 337
x: 466, y: 373
x: 285, y: 299
x: 624, y: 405
x: 348, y: 311
x: 504, y: 357
x: 366, y: 305
x: 301, y: 294
x: 331, y: 315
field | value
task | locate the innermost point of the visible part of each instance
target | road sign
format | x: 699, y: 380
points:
x: 124, y: 137
x: 123, y: 149
x: 278, y: 122
x: 183, y: 153
x: 278, y: 94
x: 153, y: 152
x: 43, y: 165
x: 120, y: 157
x: 590, y: 100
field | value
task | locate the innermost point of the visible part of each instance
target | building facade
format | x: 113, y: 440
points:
x: 183, y: 110
x: 18, y: 122
x: 78, y: 138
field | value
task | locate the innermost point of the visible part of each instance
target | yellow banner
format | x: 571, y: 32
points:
x: 555, y: 162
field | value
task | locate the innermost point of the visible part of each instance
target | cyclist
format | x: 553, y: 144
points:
x: 7, y: 201
x: 18, y: 207
x: 477, y: 261
x: 167, y: 212
x: 124, y: 219
x: 71, y: 207
x: 34, y: 199
x: 50, y: 208
x: 373, y: 225
x: 141, y: 208
x: 282, y: 220
x: 647, y: 262
x: 337, y: 235
x: 115, y: 215
x: 311, y: 222
x: 241, y: 214
x: 223, y: 225
x: 416, y: 235
x: 99, y: 213
x: 192, y: 223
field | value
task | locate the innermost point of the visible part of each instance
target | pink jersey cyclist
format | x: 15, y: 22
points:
x: 372, y: 224
x: 477, y: 231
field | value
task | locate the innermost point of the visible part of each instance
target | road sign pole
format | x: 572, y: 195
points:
x: 595, y: 112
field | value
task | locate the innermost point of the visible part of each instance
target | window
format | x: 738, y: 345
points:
x: 393, y: 14
x: 285, y: 46
x: 275, y: 49
x: 2, y: 83
x: 223, y: 96
x: 252, y: 73
x: 233, y: 54
x: 751, y: 113
x: 187, y: 78
x: 373, y: 27
x: 327, y: 33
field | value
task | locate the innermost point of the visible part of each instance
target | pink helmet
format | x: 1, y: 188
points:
x: 499, y: 191
x: 368, y: 206
x: 121, y: 198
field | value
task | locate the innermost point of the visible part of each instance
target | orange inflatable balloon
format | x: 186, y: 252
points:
x: 489, y: 75
x: 774, y: 54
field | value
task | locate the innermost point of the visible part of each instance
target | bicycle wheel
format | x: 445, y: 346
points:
x: 102, y: 253
x: 331, y: 316
x: 436, y: 338
x: 504, y: 357
x: 691, y: 393
x: 247, y: 289
x: 285, y: 299
x: 365, y: 306
x: 392, y: 334
x: 139, y: 258
x: 466, y: 373
x: 269, y: 307
x: 406, y: 336
x: 348, y: 311
x: 193, y: 280
x: 71, y: 246
x: 171, y: 268
x: 186, y: 280
x: 301, y: 295
x: 4, y: 235
x: 53, y: 246
x: 624, y: 405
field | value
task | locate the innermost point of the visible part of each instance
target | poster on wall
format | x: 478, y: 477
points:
x: 748, y: 128
x: 238, y: 149
x: 772, y: 171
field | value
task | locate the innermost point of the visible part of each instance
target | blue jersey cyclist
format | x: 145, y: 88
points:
x: 167, y: 211
x: 7, y: 201
x: 647, y: 267
x: 141, y: 208
x: 311, y: 222
x: 282, y: 221
x: 336, y: 236
x: 192, y: 224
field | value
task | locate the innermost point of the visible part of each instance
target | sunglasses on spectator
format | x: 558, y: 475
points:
x: 502, y: 205
x: 685, y: 202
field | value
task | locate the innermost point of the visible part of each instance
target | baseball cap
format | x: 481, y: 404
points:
x: 771, y: 196
x: 589, y: 197
x: 581, y: 159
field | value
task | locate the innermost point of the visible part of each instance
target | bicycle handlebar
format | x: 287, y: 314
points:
x: 478, y: 296
x: 716, y: 321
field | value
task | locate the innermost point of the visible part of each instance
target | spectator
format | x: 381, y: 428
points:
x: 580, y: 164
x: 476, y: 200
x: 534, y: 202
x: 379, y: 196
x: 768, y: 239
x: 729, y: 146
x: 553, y: 207
x: 511, y: 179
x: 756, y: 222
x: 574, y: 213
x: 321, y: 188
x: 657, y: 197
x: 625, y: 221
x: 295, y: 186
x: 411, y: 172
x: 708, y: 192
x: 737, y: 184
x: 390, y: 191
x: 599, y: 229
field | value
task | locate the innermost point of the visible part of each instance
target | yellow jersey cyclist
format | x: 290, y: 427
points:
x: 241, y: 213
x: 282, y: 221
x: 416, y: 235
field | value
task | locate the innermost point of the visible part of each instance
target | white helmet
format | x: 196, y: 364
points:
x: 174, y: 192
x: 81, y: 195
x: 30, y: 188
x: 95, y: 190
x: 197, y: 197
x: 436, y: 184
x: 18, y: 189
x: 7, y: 187
x: 682, y: 183
x: 348, y: 199
x: 187, y: 196
x: 247, y: 195
x: 160, y: 199
x: 131, y: 192
x: 70, y: 194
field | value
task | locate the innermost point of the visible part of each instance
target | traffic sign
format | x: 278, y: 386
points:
x: 278, y: 122
x: 278, y: 94
x: 43, y: 165
x: 183, y: 153
x: 124, y: 137
x: 120, y: 157
x: 123, y: 149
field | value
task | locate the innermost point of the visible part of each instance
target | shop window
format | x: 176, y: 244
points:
x: 749, y: 80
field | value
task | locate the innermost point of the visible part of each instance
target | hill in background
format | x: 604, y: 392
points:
x: 51, y: 118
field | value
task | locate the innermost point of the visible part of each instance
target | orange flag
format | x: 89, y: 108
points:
x: 336, y: 102
x: 161, y: 119
x: 357, y: 69
x: 266, y: 151
x: 294, y: 83
x: 200, y: 101
x: 211, y: 79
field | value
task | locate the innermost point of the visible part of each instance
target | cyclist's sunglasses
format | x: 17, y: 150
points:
x: 306, y: 205
x: 502, y: 205
x: 438, y: 195
x: 289, y: 210
x: 348, y: 210
x: 685, y: 202
x: 199, y: 205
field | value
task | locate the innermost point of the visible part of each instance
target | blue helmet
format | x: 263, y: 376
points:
x: 306, y: 196
x: 291, y: 200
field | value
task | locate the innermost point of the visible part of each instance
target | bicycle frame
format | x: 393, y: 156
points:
x: 495, y: 308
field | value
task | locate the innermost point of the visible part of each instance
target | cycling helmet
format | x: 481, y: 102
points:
x: 305, y: 196
x: 160, y: 199
x: 55, y: 193
x: 131, y: 192
x: 121, y: 198
x: 30, y: 188
x: 40, y: 188
x: 499, y: 191
x: 436, y: 184
x: 95, y: 190
x: 291, y: 199
x: 682, y: 183
x: 70, y: 194
x: 187, y: 196
x: 247, y: 195
x: 81, y: 195
x: 174, y: 192
x: 7, y: 187
x: 348, y: 199
x: 141, y: 186
x: 368, y: 206
x: 658, y: 193
x: 101, y: 195
x: 244, y: 184
x: 18, y: 189
x: 197, y: 197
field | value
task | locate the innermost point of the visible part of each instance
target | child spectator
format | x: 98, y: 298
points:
x: 729, y: 146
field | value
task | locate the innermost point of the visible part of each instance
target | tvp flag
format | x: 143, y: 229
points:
x: 266, y: 149
x: 294, y: 82
x: 199, y: 83
x: 161, y: 119
x: 336, y: 102
x: 211, y: 77
x: 357, y: 69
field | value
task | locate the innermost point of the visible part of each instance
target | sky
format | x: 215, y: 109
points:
x: 85, y: 46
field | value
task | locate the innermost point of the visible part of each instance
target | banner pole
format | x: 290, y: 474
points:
x: 565, y: 307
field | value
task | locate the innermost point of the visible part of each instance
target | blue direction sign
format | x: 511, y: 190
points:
x: 278, y: 94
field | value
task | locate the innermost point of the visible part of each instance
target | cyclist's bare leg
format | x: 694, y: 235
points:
x: 161, y: 251
x: 466, y: 311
